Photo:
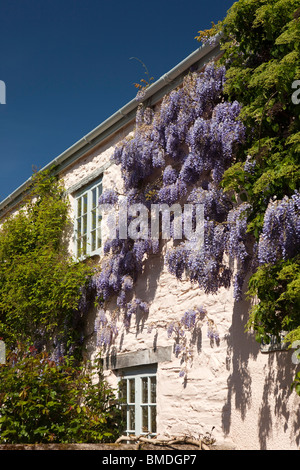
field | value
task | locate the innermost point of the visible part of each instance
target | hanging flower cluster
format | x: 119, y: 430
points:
x: 191, y: 321
x: 280, y: 236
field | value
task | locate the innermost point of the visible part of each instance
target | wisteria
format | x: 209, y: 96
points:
x: 249, y: 165
x: 177, y: 154
x: 106, y: 329
x: 182, y: 332
x: 172, y: 193
x: 109, y: 196
x: 212, y: 332
x: 170, y: 175
x: 280, y: 236
x: 237, y: 249
x: 189, y: 319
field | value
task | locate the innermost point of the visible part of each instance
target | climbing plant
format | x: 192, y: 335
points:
x: 40, y: 283
x: 45, y: 401
x: 47, y: 392
x: 176, y: 154
x: 228, y: 139
x: 260, y: 41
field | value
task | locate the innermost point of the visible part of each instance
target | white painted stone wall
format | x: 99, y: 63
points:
x: 232, y: 386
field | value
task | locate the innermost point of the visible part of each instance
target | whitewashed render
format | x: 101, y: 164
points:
x: 231, y: 385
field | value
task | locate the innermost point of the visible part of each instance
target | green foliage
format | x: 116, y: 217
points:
x: 42, y: 401
x: 203, y: 36
x: 277, y: 287
x: 261, y: 48
x: 40, y: 284
x: 296, y: 383
x: 261, y: 51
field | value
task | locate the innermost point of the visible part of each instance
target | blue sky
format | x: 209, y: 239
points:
x: 66, y: 65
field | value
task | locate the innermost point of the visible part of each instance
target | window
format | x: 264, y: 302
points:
x: 137, y: 392
x: 88, y: 220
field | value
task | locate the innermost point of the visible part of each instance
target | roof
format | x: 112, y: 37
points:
x: 196, y: 60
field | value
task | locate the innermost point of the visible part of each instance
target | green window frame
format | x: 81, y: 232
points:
x: 137, y: 394
x: 88, y: 220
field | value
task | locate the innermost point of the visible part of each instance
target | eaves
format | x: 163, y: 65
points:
x: 195, y: 61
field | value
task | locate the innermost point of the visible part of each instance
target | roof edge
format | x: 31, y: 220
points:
x: 85, y: 144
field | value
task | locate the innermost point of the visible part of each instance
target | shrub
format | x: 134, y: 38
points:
x: 43, y: 401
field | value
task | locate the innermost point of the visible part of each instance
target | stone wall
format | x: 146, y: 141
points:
x: 230, y: 384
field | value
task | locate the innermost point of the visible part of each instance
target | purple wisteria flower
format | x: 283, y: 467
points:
x: 170, y: 329
x: 170, y: 175
x: 186, y: 144
x: 250, y: 164
x: 189, y: 319
x: 212, y: 333
x: 237, y: 223
x: 109, y: 196
x: 177, y: 349
x: 280, y: 236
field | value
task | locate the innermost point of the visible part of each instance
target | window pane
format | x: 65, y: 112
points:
x: 145, y: 418
x: 88, y: 220
x: 145, y: 390
x: 123, y: 390
x: 93, y: 219
x: 94, y: 198
x: 84, y: 228
x: 99, y: 238
x: 84, y: 204
x: 79, y: 207
x: 79, y: 247
x: 137, y: 393
x: 153, y: 418
x: 153, y: 390
x: 78, y: 227
x: 84, y: 245
x: 93, y: 240
x: 131, y: 390
x: 131, y: 418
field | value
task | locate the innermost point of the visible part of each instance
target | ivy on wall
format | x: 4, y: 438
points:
x: 47, y: 392
x: 261, y: 53
x: 40, y: 284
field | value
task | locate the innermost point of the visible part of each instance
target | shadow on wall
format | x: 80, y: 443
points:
x: 278, y: 375
x: 145, y: 290
x: 277, y: 384
x: 147, y: 285
x: 240, y: 347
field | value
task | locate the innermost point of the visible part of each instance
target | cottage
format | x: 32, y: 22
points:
x: 174, y: 381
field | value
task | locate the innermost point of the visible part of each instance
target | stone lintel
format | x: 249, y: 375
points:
x: 137, y: 358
